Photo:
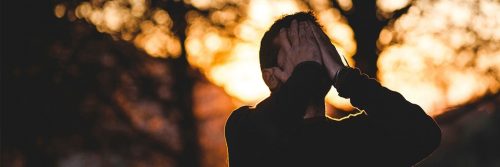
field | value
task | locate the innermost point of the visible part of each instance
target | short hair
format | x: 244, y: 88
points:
x: 268, y: 53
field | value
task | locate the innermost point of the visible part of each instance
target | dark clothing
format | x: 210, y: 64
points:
x: 394, y: 132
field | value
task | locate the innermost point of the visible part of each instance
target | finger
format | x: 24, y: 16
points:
x: 322, y: 39
x: 293, y: 33
x: 283, y: 40
x: 284, y: 61
x: 312, y: 40
x: 315, y: 50
x: 280, y: 75
x: 270, y: 78
x: 316, y: 31
x: 310, y: 33
x: 284, y: 48
x: 281, y: 58
x: 321, y: 45
x: 329, y: 54
x: 328, y: 44
x: 320, y: 35
x: 302, y: 32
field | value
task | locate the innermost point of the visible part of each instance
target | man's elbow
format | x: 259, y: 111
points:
x: 427, y: 141
x: 433, y: 137
x: 430, y: 138
x: 429, y: 132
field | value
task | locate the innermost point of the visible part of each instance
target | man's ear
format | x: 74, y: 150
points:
x: 270, y: 78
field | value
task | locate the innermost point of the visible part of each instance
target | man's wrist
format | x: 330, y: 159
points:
x: 337, y: 77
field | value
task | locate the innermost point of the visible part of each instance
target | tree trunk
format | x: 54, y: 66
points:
x: 183, y: 88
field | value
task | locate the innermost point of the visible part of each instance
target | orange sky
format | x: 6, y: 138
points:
x: 438, y: 55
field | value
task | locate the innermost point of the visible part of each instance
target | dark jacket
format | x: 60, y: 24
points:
x: 393, y: 132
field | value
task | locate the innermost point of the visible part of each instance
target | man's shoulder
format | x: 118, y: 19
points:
x: 237, y: 114
x: 239, y: 111
x: 235, y: 120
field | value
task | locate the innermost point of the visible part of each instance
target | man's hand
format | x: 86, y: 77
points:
x: 297, y: 44
x: 329, y: 55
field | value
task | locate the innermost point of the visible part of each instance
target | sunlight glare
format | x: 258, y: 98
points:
x: 236, y: 67
x: 223, y: 44
x: 60, y: 10
x: 441, y: 54
x: 128, y: 20
x: 389, y: 6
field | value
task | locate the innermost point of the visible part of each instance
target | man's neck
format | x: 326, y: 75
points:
x: 315, y: 110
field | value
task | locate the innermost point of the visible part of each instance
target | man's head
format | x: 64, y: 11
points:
x: 270, y: 45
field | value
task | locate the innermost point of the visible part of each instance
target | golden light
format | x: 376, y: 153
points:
x: 385, y: 37
x: 346, y: 5
x: 229, y: 56
x: 389, y: 6
x: 433, y: 38
x: 442, y: 53
x: 161, y: 17
x: 60, y: 10
x: 200, y: 4
x: 128, y: 20
x: 114, y: 16
x: 157, y: 40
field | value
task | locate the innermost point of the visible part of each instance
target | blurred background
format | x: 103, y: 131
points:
x: 152, y: 82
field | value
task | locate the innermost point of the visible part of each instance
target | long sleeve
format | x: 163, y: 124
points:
x: 285, y: 108
x: 274, y: 120
x: 405, y: 131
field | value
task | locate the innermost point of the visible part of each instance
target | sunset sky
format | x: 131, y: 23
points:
x: 439, y: 54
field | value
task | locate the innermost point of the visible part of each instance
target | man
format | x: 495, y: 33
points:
x: 289, y: 128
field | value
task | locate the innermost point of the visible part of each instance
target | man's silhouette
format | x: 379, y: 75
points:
x: 289, y: 128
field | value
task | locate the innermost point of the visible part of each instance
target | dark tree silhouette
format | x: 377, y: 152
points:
x: 367, y: 23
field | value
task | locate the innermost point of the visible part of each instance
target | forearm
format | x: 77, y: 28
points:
x: 406, y: 128
x: 368, y: 94
x: 387, y: 109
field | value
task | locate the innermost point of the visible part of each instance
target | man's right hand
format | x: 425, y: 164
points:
x: 329, y: 55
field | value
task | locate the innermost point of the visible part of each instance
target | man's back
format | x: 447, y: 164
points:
x: 316, y: 142
x: 394, y: 133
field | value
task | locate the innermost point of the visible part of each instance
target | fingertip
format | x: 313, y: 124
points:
x: 281, y: 58
x: 302, y: 23
x: 279, y: 74
x: 313, y: 28
x: 293, y: 33
x: 283, y: 39
x: 309, y: 30
x: 306, y: 23
x: 294, y: 25
x: 302, y: 26
x: 282, y: 32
